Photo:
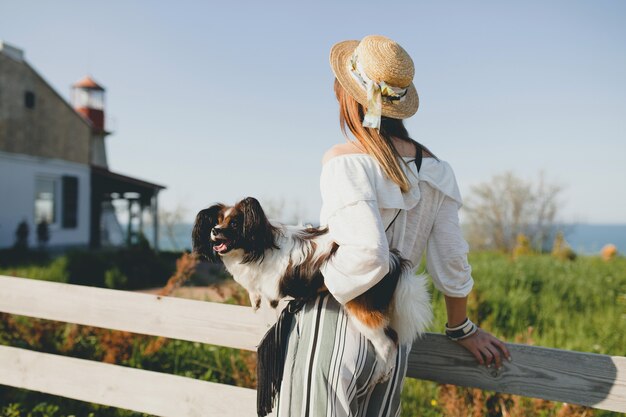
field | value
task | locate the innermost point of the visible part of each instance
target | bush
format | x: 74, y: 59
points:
x: 608, y: 252
x: 561, y: 249
x: 21, y: 235
x: 522, y: 246
x: 114, y: 278
x: 55, y: 271
x: 127, y: 269
x: 34, y: 404
x: 505, y: 206
x: 18, y: 256
x: 40, y: 410
x: 43, y: 233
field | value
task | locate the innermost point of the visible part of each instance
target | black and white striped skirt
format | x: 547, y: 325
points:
x: 329, y: 365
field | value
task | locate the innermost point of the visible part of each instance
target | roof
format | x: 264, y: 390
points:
x: 11, y: 51
x: 88, y: 82
x: 112, y: 182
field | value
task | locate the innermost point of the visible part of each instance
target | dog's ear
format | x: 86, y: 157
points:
x: 253, y: 217
x: 201, y: 235
x: 258, y: 232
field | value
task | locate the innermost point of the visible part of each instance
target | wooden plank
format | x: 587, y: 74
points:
x: 117, y: 386
x: 594, y: 380
x: 197, y: 321
x: 575, y: 377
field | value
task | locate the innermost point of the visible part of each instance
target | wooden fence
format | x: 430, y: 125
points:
x: 574, y: 377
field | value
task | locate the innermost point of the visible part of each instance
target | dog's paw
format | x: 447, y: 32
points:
x: 383, y: 371
x: 384, y: 367
x: 255, y: 301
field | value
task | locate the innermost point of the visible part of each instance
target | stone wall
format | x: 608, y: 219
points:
x: 51, y: 129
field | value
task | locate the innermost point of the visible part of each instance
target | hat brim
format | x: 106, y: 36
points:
x: 340, y: 55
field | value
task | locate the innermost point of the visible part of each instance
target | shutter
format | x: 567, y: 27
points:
x: 70, y: 202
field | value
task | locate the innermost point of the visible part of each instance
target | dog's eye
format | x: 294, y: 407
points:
x: 233, y: 223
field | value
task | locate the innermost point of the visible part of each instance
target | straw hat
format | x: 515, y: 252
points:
x: 377, y: 63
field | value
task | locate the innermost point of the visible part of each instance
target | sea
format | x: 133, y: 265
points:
x: 583, y: 238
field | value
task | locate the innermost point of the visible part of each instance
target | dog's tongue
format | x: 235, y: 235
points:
x: 220, y: 247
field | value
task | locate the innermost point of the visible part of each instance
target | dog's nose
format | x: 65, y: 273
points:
x: 216, y: 230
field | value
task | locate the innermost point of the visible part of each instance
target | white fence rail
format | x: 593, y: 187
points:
x: 574, y: 377
x: 119, y: 386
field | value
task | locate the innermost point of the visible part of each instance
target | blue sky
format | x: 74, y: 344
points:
x: 227, y: 99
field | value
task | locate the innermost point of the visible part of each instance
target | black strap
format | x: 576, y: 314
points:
x: 271, y: 355
x: 418, y: 164
x: 394, y: 219
x: 418, y: 156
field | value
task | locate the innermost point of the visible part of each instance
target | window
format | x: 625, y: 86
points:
x: 29, y: 100
x: 70, y: 202
x: 93, y: 99
x: 45, y: 200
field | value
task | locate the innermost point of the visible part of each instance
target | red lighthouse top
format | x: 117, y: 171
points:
x: 88, y: 83
x: 88, y: 100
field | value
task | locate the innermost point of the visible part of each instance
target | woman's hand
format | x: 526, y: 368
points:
x: 486, y: 348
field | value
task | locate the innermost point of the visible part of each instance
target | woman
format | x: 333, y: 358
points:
x: 379, y: 190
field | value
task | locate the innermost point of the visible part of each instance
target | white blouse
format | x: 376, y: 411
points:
x: 359, y: 202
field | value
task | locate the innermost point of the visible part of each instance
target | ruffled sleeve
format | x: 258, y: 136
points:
x: 446, y: 254
x: 440, y: 175
x: 350, y: 210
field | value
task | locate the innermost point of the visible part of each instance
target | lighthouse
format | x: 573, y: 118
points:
x: 88, y: 100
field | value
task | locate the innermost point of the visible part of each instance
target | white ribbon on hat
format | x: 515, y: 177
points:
x: 376, y: 93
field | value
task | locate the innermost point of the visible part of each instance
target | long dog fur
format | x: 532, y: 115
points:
x: 273, y: 262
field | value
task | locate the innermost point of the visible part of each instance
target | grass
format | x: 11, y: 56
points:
x: 55, y: 270
x: 122, y: 268
x: 536, y: 299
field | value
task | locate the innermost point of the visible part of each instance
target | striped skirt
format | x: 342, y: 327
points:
x: 329, y: 365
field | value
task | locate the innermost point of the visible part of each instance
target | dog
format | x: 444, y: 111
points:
x: 273, y: 262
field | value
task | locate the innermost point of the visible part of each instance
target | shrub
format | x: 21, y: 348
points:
x: 21, y: 235
x: 13, y: 257
x: 114, y: 278
x: 522, y: 246
x: 608, y: 252
x: 505, y: 206
x: 129, y: 268
x: 42, y: 409
x: 55, y: 271
x: 43, y: 233
x: 561, y: 250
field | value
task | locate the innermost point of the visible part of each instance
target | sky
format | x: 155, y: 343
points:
x: 222, y: 100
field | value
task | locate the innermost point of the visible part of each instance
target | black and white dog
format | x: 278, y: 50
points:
x: 273, y: 262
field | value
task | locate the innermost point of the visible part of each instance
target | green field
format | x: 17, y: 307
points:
x: 575, y: 305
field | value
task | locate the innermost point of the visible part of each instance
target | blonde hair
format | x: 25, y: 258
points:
x: 376, y: 143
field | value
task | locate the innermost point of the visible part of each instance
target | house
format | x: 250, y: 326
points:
x: 53, y: 164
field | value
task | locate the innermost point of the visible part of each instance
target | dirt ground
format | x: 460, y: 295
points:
x: 209, y: 282
x: 217, y: 292
x: 225, y: 291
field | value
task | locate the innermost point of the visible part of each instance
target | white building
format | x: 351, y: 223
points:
x: 53, y: 163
